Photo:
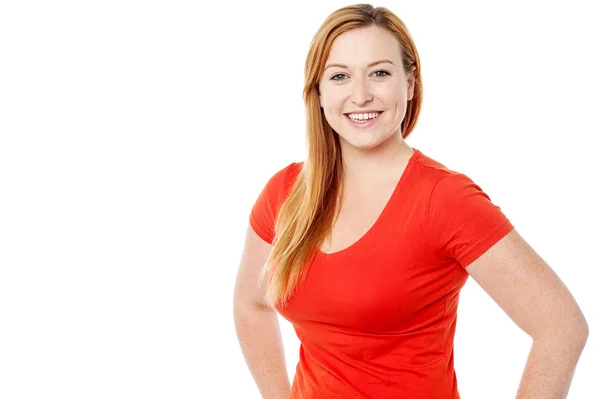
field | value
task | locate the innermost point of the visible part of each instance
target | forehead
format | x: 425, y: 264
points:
x: 364, y: 45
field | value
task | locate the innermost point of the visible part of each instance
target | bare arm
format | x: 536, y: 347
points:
x: 550, y: 366
x: 534, y: 297
x: 257, y: 326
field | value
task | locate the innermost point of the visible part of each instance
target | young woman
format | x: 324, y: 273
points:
x: 368, y: 242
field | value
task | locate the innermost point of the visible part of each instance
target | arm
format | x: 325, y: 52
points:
x: 257, y: 326
x: 534, y: 297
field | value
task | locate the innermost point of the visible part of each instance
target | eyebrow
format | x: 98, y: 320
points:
x: 372, y: 64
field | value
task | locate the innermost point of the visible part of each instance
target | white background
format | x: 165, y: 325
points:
x: 135, y: 137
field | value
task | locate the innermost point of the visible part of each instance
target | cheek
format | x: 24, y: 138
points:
x: 331, y: 101
x: 392, y: 93
x: 331, y: 107
x: 331, y: 114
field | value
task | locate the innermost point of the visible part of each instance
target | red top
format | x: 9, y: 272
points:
x: 377, y: 319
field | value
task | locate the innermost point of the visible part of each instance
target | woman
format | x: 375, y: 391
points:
x: 368, y: 243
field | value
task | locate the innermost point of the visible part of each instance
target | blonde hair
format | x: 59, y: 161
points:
x: 306, y: 217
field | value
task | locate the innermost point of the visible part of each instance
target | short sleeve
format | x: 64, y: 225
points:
x: 463, y: 221
x: 264, y: 211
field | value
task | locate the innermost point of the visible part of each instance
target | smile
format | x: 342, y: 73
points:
x: 363, y: 119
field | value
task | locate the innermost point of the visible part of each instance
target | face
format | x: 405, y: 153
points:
x: 364, y: 89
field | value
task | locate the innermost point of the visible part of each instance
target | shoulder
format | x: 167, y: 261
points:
x: 281, y: 180
x: 442, y: 187
x: 431, y: 174
x: 266, y: 206
x: 285, y: 177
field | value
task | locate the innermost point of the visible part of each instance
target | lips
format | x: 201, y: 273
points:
x: 363, y: 117
x: 368, y: 119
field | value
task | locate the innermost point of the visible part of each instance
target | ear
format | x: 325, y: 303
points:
x: 411, y: 80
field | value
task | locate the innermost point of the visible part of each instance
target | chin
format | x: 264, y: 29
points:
x: 365, y: 139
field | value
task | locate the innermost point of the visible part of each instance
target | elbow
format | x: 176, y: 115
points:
x: 575, y: 336
x: 582, y: 331
x: 579, y: 330
x: 572, y: 334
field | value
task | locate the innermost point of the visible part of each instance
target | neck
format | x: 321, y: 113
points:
x: 381, y: 162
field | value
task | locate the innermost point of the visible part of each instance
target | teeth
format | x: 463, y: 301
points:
x: 360, y: 117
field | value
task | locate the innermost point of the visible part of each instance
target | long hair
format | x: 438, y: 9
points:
x: 306, y: 217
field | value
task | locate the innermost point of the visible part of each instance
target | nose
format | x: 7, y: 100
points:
x: 361, y: 92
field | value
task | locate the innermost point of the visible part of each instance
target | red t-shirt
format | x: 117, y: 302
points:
x: 377, y: 319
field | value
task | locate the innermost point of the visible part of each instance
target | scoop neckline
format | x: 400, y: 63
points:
x: 386, y: 209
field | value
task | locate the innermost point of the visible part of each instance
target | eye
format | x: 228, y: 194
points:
x: 339, y: 76
x: 381, y: 73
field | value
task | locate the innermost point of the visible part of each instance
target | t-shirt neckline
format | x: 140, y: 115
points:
x: 386, y: 209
